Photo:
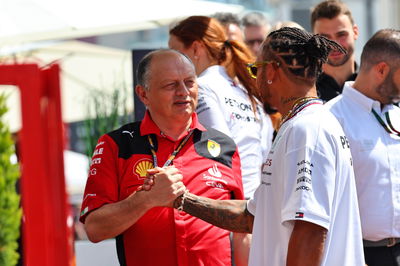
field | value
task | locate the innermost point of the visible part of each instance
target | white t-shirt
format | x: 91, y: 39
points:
x: 225, y: 106
x: 307, y: 176
x: 376, y: 155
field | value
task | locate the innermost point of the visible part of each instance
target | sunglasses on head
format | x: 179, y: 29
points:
x: 252, y: 67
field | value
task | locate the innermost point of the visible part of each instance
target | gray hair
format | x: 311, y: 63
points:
x: 143, y: 72
x: 254, y: 19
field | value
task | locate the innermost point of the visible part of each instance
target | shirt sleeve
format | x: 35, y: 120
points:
x: 102, y: 183
x: 309, y: 186
x: 210, y: 112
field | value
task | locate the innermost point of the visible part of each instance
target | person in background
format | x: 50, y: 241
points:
x: 371, y: 122
x: 305, y: 210
x: 228, y: 97
x: 231, y: 23
x: 287, y: 23
x: 147, y: 231
x: 333, y: 19
x: 255, y: 29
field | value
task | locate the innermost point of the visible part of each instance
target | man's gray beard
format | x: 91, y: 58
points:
x: 344, y: 59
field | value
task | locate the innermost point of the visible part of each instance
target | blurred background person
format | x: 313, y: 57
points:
x: 333, y: 19
x: 255, y: 29
x: 228, y: 97
x: 231, y: 23
x: 287, y: 23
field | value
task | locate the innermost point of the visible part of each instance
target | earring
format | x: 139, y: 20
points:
x: 269, y: 82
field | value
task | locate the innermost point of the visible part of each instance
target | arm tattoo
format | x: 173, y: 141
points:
x: 231, y: 215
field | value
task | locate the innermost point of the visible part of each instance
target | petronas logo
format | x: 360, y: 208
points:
x: 213, y: 148
x: 140, y: 169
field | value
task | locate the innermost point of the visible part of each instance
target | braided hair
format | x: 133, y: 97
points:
x: 301, y: 52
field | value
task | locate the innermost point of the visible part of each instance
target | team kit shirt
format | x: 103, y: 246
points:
x: 210, y: 165
x: 307, y: 176
x: 376, y: 156
x: 226, y: 106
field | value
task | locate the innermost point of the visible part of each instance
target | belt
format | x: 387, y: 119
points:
x: 386, y: 242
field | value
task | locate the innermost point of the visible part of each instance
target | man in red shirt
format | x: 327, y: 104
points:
x: 147, y: 230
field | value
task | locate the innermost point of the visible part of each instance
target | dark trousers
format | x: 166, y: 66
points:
x: 382, y: 256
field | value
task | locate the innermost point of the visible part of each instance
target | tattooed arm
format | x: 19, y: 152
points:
x: 231, y: 215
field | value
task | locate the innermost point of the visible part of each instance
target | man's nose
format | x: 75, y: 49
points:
x: 182, y: 89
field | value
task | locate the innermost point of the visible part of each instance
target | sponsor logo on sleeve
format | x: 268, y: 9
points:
x: 299, y: 215
x: 95, y: 161
x: 93, y: 171
x: 304, y: 175
x: 213, y: 178
x: 214, y: 171
x: 141, y: 166
x: 213, y: 148
x: 98, y: 151
x: 99, y: 144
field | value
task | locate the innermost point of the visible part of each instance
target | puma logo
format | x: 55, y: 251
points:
x: 128, y: 132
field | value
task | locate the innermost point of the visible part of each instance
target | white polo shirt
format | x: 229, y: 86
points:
x: 376, y: 156
x: 307, y: 176
x: 225, y: 106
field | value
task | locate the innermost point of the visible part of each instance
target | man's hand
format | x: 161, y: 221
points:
x: 164, y: 185
x: 149, y: 181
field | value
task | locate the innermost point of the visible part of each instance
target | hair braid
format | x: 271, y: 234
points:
x: 302, y: 52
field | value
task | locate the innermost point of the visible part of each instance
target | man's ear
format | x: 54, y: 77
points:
x: 142, y: 94
x: 356, y: 31
x: 271, y: 71
x: 381, y: 71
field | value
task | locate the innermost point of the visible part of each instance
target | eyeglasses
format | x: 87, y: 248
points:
x: 252, y: 42
x: 252, y: 67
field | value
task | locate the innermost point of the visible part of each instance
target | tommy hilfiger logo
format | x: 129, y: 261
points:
x: 299, y: 215
x: 141, y: 166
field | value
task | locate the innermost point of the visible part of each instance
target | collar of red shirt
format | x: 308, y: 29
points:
x: 149, y: 127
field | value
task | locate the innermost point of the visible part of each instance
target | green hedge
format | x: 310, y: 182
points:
x: 10, y: 211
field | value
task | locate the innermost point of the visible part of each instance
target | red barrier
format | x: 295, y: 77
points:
x: 47, y: 241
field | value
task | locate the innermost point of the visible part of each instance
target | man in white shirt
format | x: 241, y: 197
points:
x: 371, y: 122
x: 305, y: 211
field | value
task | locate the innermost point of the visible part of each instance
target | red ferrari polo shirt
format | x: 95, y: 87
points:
x: 210, y: 165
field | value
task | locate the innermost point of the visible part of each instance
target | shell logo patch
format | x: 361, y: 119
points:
x: 213, y: 148
x: 140, y: 168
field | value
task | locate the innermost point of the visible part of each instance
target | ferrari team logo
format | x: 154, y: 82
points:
x: 140, y: 168
x: 213, y: 148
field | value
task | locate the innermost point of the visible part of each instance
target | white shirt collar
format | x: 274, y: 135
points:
x: 365, y: 102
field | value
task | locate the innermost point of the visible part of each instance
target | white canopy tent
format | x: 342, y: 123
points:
x: 31, y: 30
x: 85, y: 69
x: 24, y: 21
